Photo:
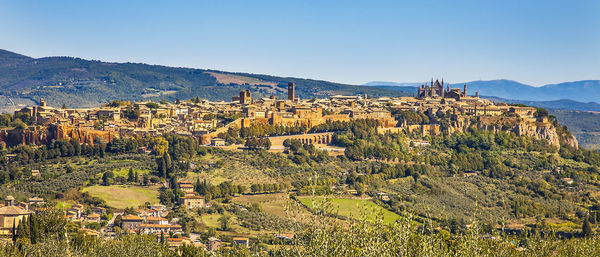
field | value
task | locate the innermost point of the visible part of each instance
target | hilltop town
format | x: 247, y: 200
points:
x: 207, y: 121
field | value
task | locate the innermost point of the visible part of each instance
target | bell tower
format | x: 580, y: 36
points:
x: 291, y: 91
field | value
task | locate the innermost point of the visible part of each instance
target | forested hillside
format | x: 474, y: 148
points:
x: 82, y: 83
x: 584, y: 125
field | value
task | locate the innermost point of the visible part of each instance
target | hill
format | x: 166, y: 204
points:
x: 582, y: 91
x: 584, y: 125
x: 83, y: 83
x: 564, y: 104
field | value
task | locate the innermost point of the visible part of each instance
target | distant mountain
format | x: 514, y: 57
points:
x: 394, y: 84
x: 581, y: 91
x: 82, y: 83
x: 563, y: 104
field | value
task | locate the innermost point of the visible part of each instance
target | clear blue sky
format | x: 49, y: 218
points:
x: 535, y: 42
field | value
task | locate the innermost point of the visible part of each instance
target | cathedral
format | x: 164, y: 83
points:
x: 436, y: 89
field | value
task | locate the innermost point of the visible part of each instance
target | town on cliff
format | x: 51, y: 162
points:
x: 208, y: 121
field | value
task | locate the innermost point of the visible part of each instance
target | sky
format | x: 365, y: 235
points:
x: 534, y: 42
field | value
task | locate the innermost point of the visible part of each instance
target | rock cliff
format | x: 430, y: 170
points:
x: 38, y: 135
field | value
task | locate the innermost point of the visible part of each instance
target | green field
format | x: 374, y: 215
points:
x: 119, y: 196
x: 351, y: 207
x: 124, y: 172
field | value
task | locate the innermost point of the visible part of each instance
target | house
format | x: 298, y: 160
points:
x: 186, y: 186
x: 243, y: 241
x: 11, y: 216
x: 23, y: 205
x: 99, y: 210
x: 157, y: 220
x: 94, y: 217
x: 217, y: 142
x: 214, y: 244
x: 131, y: 222
x: 36, y: 200
x: 175, y: 242
x: 285, y: 236
x: 35, y: 173
x: 157, y: 229
x: 192, y: 201
x: 76, y: 210
x: 567, y: 181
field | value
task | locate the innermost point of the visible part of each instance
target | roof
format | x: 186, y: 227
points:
x: 12, y: 210
x: 240, y: 239
x: 9, y: 198
x: 131, y: 217
x: 192, y: 197
x: 156, y: 218
x: 93, y: 216
x: 176, y: 226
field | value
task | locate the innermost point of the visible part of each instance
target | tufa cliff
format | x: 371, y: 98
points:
x: 536, y: 128
x: 39, y: 135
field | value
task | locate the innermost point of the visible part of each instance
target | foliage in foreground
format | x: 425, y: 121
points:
x: 328, y: 236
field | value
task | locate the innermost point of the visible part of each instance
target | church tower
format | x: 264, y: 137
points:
x: 291, y: 91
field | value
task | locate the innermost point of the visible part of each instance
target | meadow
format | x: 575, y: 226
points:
x: 350, y: 207
x: 122, y: 196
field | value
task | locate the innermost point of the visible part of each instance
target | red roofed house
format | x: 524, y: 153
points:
x: 131, y: 222
x: 192, y: 201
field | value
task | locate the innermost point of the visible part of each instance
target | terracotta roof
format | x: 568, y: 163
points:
x: 156, y: 218
x: 193, y: 197
x: 12, y: 210
x: 93, y: 216
x: 131, y: 217
x: 159, y: 226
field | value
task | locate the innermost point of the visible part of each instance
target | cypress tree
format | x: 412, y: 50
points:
x: 586, y: 229
x: 14, y: 230
x: 33, y: 226
x: 130, y: 175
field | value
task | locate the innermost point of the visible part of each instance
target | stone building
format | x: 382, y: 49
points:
x: 11, y: 216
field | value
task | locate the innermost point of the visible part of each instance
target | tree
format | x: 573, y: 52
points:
x: 23, y: 229
x: 119, y: 221
x: 586, y: 229
x: 131, y: 176
x: 34, y: 230
x: 224, y: 222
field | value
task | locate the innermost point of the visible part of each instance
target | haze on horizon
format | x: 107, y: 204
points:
x: 533, y: 42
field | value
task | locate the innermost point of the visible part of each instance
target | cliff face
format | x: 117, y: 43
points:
x: 540, y: 130
x: 43, y: 135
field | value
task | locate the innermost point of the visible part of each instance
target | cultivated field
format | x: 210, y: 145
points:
x: 120, y: 196
x: 350, y: 207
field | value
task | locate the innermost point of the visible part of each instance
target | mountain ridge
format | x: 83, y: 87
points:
x: 77, y: 82
x: 580, y: 91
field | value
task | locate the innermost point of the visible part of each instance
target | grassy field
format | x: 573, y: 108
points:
x: 119, y: 196
x: 276, y: 204
x: 124, y: 172
x: 229, y: 169
x: 351, y: 207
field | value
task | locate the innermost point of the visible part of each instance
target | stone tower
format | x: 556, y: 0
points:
x: 291, y: 91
